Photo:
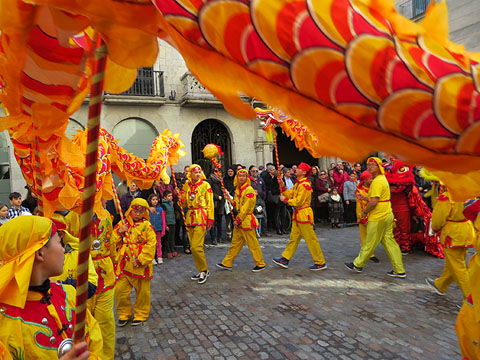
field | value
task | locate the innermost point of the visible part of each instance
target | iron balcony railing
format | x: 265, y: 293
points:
x: 148, y: 83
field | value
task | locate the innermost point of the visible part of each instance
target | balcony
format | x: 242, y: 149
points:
x: 195, y: 95
x: 413, y: 9
x: 148, y: 89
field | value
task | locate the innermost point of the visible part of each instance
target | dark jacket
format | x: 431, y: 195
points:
x: 228, y: 182
x: 127, y: 199
x: 219, y: 204
x: 169, y: 212
x: 259, y: 185
x: 272, y: 185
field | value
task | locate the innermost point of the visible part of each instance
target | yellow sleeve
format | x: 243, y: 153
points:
x: 248, y: 204
x: 93, y: 337
x: 210, y: 208
x: 4, y: 353
x: 148, y: 250
x: 440, y: 213
x: 288, y: 193
x: 117, y: 239
x: 92, y: 274
x: 73, y: 223
x: 301, y: 196
x: 182, y: 198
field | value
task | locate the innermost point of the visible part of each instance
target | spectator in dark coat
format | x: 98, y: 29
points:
x: 219, y: 206
x: 323, y: 185
x: 144, y: 194
x: 258, y: 183
x: 274, y: 205
x: 126, y: 199
x: 228, y: 182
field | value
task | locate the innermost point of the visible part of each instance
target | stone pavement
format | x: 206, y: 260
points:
x: 296, y: 313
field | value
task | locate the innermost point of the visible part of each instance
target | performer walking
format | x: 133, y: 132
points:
x: 245, y: 224
x: 197, y: 196
x: 380, y: 223
x: 457, y: 235
x: 302, y: 222
x: 135, y: 238
x: 101, y: 304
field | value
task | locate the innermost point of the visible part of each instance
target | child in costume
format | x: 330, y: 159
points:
x: 37, y: 315
x: 157, y: 219
x: 300, y: 198
x: 362, y: 200
x: 135, y: 240
x: 101, y: 304
x: 197, y: 196
x: 245, y: 224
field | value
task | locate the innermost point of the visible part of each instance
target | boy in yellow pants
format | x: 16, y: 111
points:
x: 197, y: 196
x: 135, y: 240
x: 302, y: 221
x: 245, y: 224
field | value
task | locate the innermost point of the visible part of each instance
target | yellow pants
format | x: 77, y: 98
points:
x: 196, y: 235
x: 363, y: 233
x: 381, y: 232
x: 300, y: 230
x: 468, y: 332
x: 123, y: 288
x: 238, y: 240
x: 454, y: 269
x: 101, y: 307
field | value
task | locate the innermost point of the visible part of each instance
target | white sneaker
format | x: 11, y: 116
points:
x: 203, y: 276
x: 160, y: 261
x: 154, y: 262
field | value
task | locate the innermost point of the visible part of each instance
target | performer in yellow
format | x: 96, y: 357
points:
x: 36, y: 314
x: 362, y: 200
x: 197, y: 196
x: 380, y: 223
x: 135, y: 240
x: 101, y: 304
x: 457, y: 235
x: 302, y: 221
x: 468, y: 320
x: 245, y: 224
x: 71, y: 244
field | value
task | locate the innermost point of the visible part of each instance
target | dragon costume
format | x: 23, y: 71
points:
x: 411, y: 213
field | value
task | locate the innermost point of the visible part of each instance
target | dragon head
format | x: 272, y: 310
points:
x: 400, y: 176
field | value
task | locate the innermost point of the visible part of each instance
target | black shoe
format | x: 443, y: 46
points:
x: 214, y: 242
x: 397, y: 275
x: 137, y: 322
x: 352, y: 267
x: 374, y: 259
x: 258, y: 268
x: 203, y: 276
x: 279, y: 232
x: 195, y: 277
x: 221, y: 266
x: 122, y: 323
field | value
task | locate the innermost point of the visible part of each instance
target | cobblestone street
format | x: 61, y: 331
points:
x: 296, y: 313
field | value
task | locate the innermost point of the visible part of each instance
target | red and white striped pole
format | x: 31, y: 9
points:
x: 93, y: 126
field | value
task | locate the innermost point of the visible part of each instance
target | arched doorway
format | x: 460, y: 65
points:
x: 288, y: 152
x: 135, y: 135
x: 72, y: 127
x: 211, y: 131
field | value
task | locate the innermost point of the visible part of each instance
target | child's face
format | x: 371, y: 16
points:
x: 4, y: 212
x: 168, y: 197
x: 16, y: 201
x: 154, y: 201
x: 334, y: 191
x: 137, y: 215
x: 352, y: 177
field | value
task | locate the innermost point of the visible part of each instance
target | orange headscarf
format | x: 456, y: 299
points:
x: 20, y: 238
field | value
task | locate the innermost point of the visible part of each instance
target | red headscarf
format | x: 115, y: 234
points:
x: 364, y: 176
x: 305, y: 167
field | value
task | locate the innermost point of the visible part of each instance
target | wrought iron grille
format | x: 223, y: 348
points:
x: 149, y: 82
x: 419, y: 7
x: 211, y: 131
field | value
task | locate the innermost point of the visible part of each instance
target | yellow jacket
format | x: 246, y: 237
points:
x: 70, y: 264
x: 33, y: 332
x: 361, y: 204
x: 300, y: 197
x: 198, y: 198
x: 447, y: 217
x: 104, y: 256
x: 136, y: 245
x: 244, y: 201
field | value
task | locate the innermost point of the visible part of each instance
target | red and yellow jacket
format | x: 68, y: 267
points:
x: 244, y: 202
x: 136, y: 245
x: 447, y: 217
x: 198, y: 198
x: 300, y: 197
x: 36, y: 331
x: 104, y: 256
